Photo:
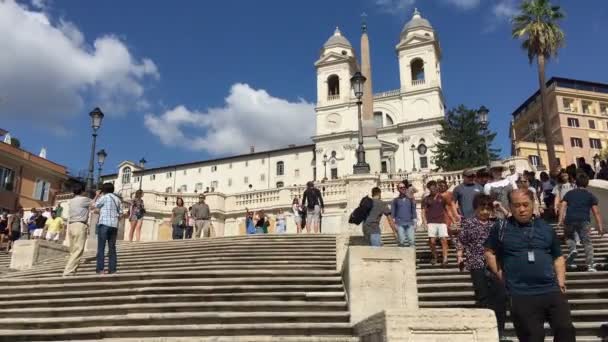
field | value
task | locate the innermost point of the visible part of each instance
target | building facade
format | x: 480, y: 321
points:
x: 26, y: 179
x: 579, y: 122
x: 405, y: 122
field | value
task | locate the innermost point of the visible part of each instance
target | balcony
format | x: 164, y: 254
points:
x: 416, y: 83
x: 331, y: 98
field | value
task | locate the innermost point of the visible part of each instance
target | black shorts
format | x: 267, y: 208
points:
x: 16, y: 235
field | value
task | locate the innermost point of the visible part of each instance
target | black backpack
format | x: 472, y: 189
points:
x: 362, y: 211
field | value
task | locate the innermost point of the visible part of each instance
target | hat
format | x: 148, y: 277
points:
x: 468, y: 173
x: 497, y: 165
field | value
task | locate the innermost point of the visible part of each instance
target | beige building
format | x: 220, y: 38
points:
x: 579, y: 122
x: 26, y: 179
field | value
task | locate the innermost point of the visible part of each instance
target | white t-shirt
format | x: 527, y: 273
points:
x: 513, y: 179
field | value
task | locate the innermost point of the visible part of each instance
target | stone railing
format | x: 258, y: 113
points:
x: 388, y: 93
x: 417, y: 82
x: 333, y: 97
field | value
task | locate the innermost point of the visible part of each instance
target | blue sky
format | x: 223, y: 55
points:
x: 187, y: 80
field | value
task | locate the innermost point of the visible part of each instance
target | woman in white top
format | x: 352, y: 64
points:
x: 281, y: 228
x: 297, y: 209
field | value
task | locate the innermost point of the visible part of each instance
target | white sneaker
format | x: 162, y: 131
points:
x: 591, y: 268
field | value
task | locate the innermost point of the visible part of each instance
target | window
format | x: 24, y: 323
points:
x: 262, y: 177
x: 334, y: 173
x: 604, y: 108
x: 389, y: 121
x: 136, y: 179
x: 200, y: 169
x: 263, y: 161
x: 588, y: 107
x: 42, y: 189
x: 384, y: 167
x: 230, y: 166
x: 569, y: 105
x: 576, y: 142
x: 280, y: 184
x: 183, y: 188
x: 246, y: 163
x: 169, y: 190
x: 417, y: 67
x: 229, y: 181
x: 534, y: 160
x: 296, y: 156
x: 198, y: 187
x: 573, y: 122
x: 333, y: 87
x: 280, y: 168
x: 152, y: 177
x: 185, y: 172
x: 296, y: 173
x: 169, y: 174
x: 595, y: 143
x: 214, y: 186
x: 246, y: 180
x: 214, y: 168
x: 592, y: 124
x: 126, y: 175
x: 424, y: 162
x: 6, y: 179
x: 378, y: 119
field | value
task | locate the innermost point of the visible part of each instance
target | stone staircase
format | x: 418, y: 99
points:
x: 246, y: 288
x: 449, y: 288
x: 5, y: 261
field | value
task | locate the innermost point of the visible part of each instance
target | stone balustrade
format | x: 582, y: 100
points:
x: 417, y: 82
x: 389, y: 93
x: 333, y: 97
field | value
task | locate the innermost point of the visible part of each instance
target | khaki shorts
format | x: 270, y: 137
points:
x: 313, y: 215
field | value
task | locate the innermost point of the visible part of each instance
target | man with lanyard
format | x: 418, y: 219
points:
x: 525, y: 253
x: 202, y: 216
x: 403, y: 212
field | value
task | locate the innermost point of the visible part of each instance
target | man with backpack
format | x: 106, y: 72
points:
x: 525, y: 253
x: 312, y: 200
x: 403, y: 211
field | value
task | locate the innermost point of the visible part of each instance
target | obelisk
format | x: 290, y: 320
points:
x: 367, y: 112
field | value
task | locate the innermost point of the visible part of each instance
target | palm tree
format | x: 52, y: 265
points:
x: 537, y: 26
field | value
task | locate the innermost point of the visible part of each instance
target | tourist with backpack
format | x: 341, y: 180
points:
x: 371, y: 225
x: 525, y: 253
x: 576, y: 206
x: 403, y: 212
x: 312, y: 200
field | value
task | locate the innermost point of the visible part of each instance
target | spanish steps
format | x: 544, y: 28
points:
x: 245, y: 288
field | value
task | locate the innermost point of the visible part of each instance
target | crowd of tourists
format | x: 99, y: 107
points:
x: 37, y: 223
x: 499, y: 227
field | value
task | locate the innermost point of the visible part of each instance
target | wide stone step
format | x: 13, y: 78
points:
x: 81, y: 298
x: 584, y: 293
x: 273, y: 338
x: 134, y: 319
x: 465, y: 277
x: 108, y: 282
x: 571, y: 284
x: 218, y: 274
x: 151, y: 288
x: 174, y: 307
x: 181, y: 330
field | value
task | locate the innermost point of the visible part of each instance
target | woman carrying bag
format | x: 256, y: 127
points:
x: 179, y: 217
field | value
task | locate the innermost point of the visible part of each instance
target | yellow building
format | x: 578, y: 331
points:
x: 579, y: 122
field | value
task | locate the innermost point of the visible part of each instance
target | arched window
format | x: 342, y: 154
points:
x: 417, y: 66
x: 280, y: 168
x: 280, y: 184
x: 126, y: 175
x: 378, y: 119
x: 389, y: 121
x: 333, y: 85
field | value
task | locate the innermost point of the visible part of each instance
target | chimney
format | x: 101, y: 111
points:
x: 251, y: 149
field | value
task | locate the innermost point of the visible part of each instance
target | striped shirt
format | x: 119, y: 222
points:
x: 109, y: 210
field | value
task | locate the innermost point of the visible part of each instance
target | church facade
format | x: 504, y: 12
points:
x: 399, y: 126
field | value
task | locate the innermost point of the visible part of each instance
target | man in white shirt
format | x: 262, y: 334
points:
x: 513, y: 176
x: 499, y: 187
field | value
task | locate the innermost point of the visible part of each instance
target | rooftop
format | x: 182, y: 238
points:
x: 562, y: 82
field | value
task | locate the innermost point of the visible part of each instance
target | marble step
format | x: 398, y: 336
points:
x: 465, y: 277
x: 575, y: 304
x: 182, y: 330
x: 81, y: 298
x: 180, y: 318
x: 258, y: 338
x: 585, y: 293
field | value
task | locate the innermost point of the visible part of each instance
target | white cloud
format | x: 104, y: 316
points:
x: 464, y: 4
x: 505, y: 9
x: 394, y: 6
x: 249, y: 117
x: 47, y: 69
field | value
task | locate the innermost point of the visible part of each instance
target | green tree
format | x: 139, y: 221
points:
x: 537, y: 25
x: 463, y: 141
x: 15, y: 142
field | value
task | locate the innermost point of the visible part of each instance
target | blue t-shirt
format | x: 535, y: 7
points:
x: 580, y: 201
x: 524, y: 277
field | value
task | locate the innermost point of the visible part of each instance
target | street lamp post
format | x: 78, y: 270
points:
x: 325, y: 167
x: 357, y: 82
x: 96, y: 117
x: 101, y: 158
x: 142, y: 165
x: 403, y: 140
x: 482, y: 117
x: 534, y: 127
x: 413, y: 149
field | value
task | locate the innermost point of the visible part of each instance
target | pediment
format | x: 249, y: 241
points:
x: 416, y: 39
x: 332, y: 58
